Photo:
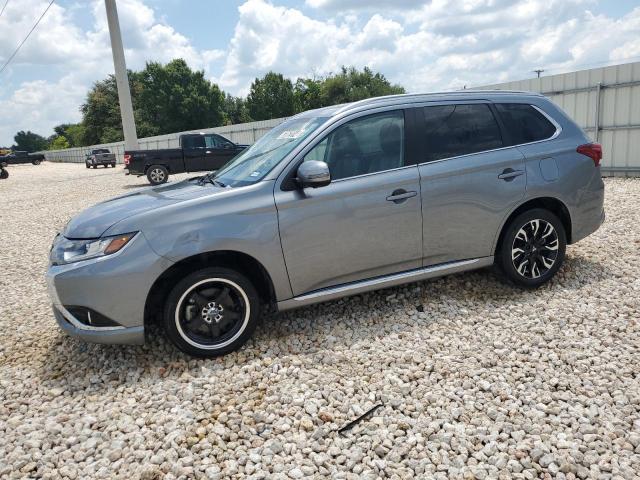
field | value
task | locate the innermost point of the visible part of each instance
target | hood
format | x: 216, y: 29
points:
x: 94, y: 221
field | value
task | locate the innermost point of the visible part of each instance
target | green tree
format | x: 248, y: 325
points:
x: 351, y: 85
x: 101, y: 113
x: 271, y: 97
x: 59, y: 142
x: 29, y: 141
x: 173, y: 98
x: 308, y: 94
x: 235, y: 110
x: 72, y: 132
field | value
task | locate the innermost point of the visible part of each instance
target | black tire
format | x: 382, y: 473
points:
x: 157, y: 174
x: 113, y: 165
x: 206, y: 296
x: 4, y: 174
x: 95, y: 166
x: 36, y: 162
x: 87, y: 165
x: 530, y: 256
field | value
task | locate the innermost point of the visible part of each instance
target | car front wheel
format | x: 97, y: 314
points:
x: 211, y: 312
x: 157, y: 174
x: 533, y: 248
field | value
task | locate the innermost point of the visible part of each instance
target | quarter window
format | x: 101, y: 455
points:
x: 366, y: 145
x: 454, y: 130
x: 524, y: 124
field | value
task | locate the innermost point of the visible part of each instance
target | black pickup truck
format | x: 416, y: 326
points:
x: 198, y: 152
x: 22, y: 157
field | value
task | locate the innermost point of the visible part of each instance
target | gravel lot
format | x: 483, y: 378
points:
x: 488, y: 382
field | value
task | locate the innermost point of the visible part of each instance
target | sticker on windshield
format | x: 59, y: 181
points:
x: 287, y: 134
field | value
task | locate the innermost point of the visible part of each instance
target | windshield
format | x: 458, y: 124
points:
x: 255, y: 162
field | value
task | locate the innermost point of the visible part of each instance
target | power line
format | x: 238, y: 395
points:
x: 25, y: 38
x: 5, y: 6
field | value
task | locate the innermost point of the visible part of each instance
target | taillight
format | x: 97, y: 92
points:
x: 127, y: 158
x: 591, y: 150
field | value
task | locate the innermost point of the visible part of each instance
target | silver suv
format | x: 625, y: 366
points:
x: 331, y: 203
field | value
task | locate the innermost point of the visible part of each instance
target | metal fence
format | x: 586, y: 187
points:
x: 241, y: 133
x: 605, y: 102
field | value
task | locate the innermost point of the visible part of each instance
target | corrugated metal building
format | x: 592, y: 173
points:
x: 605, y: 102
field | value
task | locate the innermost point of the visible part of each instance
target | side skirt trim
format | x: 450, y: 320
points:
x: 354, y: 288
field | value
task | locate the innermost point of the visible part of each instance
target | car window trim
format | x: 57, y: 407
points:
x: 546, y: 115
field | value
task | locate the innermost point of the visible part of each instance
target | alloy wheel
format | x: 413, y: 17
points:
x: 535, y: 248
x: 212, y: 313
x: 157, y: 175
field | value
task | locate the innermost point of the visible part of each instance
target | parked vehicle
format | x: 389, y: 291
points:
x: 198, y: 152
x: 331, y: 203
x: 23, y: 157
x: 100, y: 156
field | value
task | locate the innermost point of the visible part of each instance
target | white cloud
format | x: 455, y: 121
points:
x: 423, y: 45
x: 78, y: 57
x: 440, y: 44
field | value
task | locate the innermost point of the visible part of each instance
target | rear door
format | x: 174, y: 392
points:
x: 469, y: 180
x: 367, y: 221
x: 193, y: 150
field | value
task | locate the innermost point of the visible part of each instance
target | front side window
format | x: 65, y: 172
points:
x: 366, y: 145
x: 222, y: 142
x: 524, y: 124
x: 454, y: 130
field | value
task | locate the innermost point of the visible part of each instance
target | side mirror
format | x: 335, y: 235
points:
x: 314, y: 174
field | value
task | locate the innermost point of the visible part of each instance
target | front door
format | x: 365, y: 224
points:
x: 469, y: 181
x: 367, y: 222
x: 219, y: 151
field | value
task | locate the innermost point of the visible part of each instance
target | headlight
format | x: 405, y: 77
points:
x: 66, y: 251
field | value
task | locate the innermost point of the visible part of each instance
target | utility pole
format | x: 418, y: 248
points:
x: 122, y: 80
x: 539, y: 71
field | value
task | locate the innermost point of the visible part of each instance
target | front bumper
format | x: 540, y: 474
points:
x: 106, y: 335
x: 116, y: 286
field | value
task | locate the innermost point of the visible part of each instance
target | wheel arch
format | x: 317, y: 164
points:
x: 552, y: 204
x: 235, y: 260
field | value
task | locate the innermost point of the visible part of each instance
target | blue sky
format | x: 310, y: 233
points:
x: 423, y: 45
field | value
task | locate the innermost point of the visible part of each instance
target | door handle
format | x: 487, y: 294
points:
x: 509, y: 174
x: 400, y: 195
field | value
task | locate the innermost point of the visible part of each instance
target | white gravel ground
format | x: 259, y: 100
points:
x: 488, y: 382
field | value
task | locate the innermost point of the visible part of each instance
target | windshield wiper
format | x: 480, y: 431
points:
x: 211, y: 179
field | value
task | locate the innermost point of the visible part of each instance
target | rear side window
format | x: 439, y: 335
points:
x: 193, y: 141
x: 524, y: 124
x: 454, y: 130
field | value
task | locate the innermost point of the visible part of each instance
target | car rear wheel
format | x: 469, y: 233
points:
x: 4, y: 174
x: 36, y: 162
x: 157, y: 174
x: 211, y: 312
x: 533, y: 248
x: 113, y: 165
